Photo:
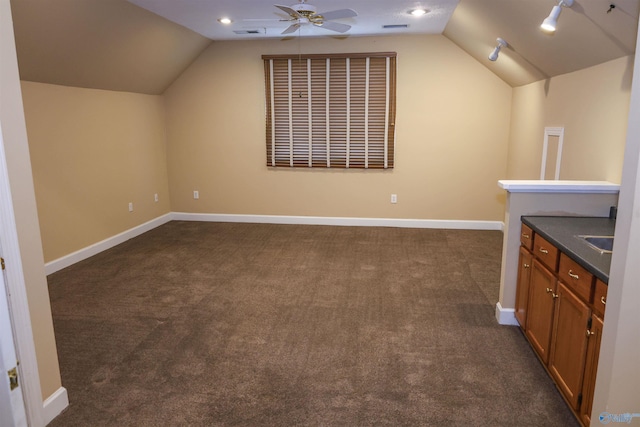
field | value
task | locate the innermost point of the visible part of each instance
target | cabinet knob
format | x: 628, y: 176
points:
x: 543, y: 250
x: 554, y: 296
x: 525, y: 265
x: 549, y: 290
x: 526, y: 236
x: 589, y: 333
x: 573, y: 275
x: 603, y: 300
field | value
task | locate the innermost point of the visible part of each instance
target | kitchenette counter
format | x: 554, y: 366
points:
x: 563, y: 232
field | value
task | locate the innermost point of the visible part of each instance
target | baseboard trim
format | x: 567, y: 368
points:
x: 96, y: 248
x: 54, y: 405
x: 341, y: 221
x: 506, y: 316
x: 82, y: 254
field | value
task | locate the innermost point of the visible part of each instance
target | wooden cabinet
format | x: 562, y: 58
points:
x: 560, y: 306
x: 569, y: 343
x: 542, y: 294
x: 522, y: 289
x: 591, y: 369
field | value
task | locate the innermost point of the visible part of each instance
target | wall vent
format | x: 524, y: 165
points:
x: 392, y: 26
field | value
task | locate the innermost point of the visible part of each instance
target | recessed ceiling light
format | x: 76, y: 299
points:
x: 418, y: 12
x: 225, y: 21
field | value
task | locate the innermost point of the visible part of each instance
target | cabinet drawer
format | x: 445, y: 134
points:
x: 546, y: 252
x: 526, y: 237
x: 600, y: 297
x: 577, y: 278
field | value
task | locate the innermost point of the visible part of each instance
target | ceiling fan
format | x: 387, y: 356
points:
x: 303, y: 14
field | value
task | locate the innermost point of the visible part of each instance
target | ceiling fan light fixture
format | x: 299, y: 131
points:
x: 418, y: 12
x: 225, y: 21
x: 550, y: 22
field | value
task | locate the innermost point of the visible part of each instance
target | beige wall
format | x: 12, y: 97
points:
x: 93, y: 152
x: 16, y: 148
x: 452, y: 131
x: 593, y: 107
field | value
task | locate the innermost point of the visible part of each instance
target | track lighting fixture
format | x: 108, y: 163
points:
x: 496, y: 51
x: 549, y: 24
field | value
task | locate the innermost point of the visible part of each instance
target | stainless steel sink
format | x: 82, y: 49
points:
x: 602, y: 244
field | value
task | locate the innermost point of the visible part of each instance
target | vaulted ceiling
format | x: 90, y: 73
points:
x: 101, y: 44
x: 144, y: 45
x: 589, y: 33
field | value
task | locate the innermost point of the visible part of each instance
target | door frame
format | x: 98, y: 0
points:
x: 552, y: 131
x: 18, y: 305
x: 12, y: 411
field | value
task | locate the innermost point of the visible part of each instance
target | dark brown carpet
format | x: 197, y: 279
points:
x: 211, y: 324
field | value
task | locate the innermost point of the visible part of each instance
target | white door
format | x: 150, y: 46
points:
x: 12, y: 412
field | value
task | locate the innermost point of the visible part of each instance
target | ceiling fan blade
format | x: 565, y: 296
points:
x: 338, y: 14
x: 334, y: 26
x: 291, y: 12
x: 291, y: 29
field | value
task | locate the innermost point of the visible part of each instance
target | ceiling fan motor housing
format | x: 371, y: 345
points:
x: 304, y: 9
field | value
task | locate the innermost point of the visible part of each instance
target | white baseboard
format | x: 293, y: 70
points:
x: 343, y: 221
x: 54, y: 405
x: 96, y: 248
x: 506, y: 316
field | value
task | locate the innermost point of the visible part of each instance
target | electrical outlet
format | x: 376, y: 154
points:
x: 196, y: 194
x: 394, y: 198
x: 155, y: 197
x: 130, y: 206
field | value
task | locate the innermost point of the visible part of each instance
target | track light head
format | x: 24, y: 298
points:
x: 550, y: 22
x: 494, y: 55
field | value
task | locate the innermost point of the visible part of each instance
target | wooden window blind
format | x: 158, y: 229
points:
x: 330, y: 111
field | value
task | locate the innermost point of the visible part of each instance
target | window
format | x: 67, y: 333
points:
x: 330, y: 111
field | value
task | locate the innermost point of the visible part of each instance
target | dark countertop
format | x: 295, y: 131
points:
x: 562, y: 231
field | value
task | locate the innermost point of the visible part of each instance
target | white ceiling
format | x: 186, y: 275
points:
x: 202, y: 16
x: 144, y: 45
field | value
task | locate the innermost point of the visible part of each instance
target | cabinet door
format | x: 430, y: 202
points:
x: 591, y: 369
x: 542, y: 288
x: 522, y: 289
x: 600, y: 298
x: 569, y: 343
